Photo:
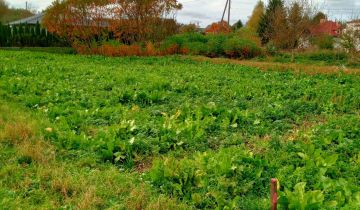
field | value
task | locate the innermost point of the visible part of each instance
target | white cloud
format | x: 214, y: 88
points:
x: 205, y: 12
x: 34, y: 4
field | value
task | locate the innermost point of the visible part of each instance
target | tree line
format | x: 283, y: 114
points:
x: 8, y: 14
x: 127, y: 21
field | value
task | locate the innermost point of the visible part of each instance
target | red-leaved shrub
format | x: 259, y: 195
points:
x: 150, y: 49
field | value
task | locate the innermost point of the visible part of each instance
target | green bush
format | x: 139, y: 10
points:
x: 324, y: 42
x: 324, y: 57
x: 215, y: 45
x: 196, y: 48
x: 184, y: 39
x: 249, y: 34
x: 241, y: 48
x: 271, y: 49
x: 328, y: 56
x: 197, y: 179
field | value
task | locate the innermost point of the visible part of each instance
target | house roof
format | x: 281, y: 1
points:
x: 326, y: 27
x: 30, y: 20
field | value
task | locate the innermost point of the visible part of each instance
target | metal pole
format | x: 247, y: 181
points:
x: 229, y: 12
x: 222, y: 19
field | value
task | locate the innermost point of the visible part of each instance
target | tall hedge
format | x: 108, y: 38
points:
x: 25, y: 35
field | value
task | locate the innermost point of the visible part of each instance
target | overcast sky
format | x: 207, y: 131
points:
x: 205, y: 12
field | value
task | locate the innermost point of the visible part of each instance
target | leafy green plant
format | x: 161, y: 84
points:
x: 324, y: 42
x: 300, y: 199
x: 235, y: 47
x: 215, y: 45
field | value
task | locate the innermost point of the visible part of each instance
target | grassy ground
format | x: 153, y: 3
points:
x: 316, y: 58
x: 171, y: 133
x: 55, y: 50
x: 36, y: 174
x: 310, y: 69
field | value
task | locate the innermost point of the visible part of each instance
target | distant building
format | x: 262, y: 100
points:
x: 326, y: 27
x: 33, y: 20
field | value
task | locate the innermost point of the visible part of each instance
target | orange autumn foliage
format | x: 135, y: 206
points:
x: 221, y: 27
x: 128, y: 21
x: 128, y: 50
x: 77, y: 19
x: 150, y: 49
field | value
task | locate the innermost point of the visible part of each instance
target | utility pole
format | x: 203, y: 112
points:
x: 229, y: 12
x: 26, y: 5
x: 227, y: 7
x: 222, y: 19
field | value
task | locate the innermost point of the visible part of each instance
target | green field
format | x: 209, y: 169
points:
x: 171, y: 133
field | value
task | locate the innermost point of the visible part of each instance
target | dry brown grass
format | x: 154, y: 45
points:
x: 303, y: 132
x: 256, y: 144
x: 74, y: 189
x: 138, y: 199
x: 272, y: 66
x: 89, y: 200
x: 163, y: 203
x: 17, y: 132
x: 21, y: 132
x: 37, y: 150
x: 63, y: 183
x: 143, y: 166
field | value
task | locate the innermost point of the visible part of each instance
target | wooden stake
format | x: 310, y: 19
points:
x: 273, y: 194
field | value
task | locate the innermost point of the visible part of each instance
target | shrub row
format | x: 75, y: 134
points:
x: 191, y: 43
x: 120, y: 50
x: 325, y: 56
x: 214, y: 45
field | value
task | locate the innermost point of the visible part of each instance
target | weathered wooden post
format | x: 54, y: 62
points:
x: 273, y: 194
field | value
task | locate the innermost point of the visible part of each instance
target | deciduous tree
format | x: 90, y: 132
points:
x: 3, y: 9
x: 11, y: 14
x: 77, y: 19
x: 139, y: 20
x: 298, y: 24
x: 188, y: 28
x: 254, y: 19
x: 127, y: 20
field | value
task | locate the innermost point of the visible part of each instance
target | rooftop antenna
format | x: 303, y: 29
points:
x: 227, y: 7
